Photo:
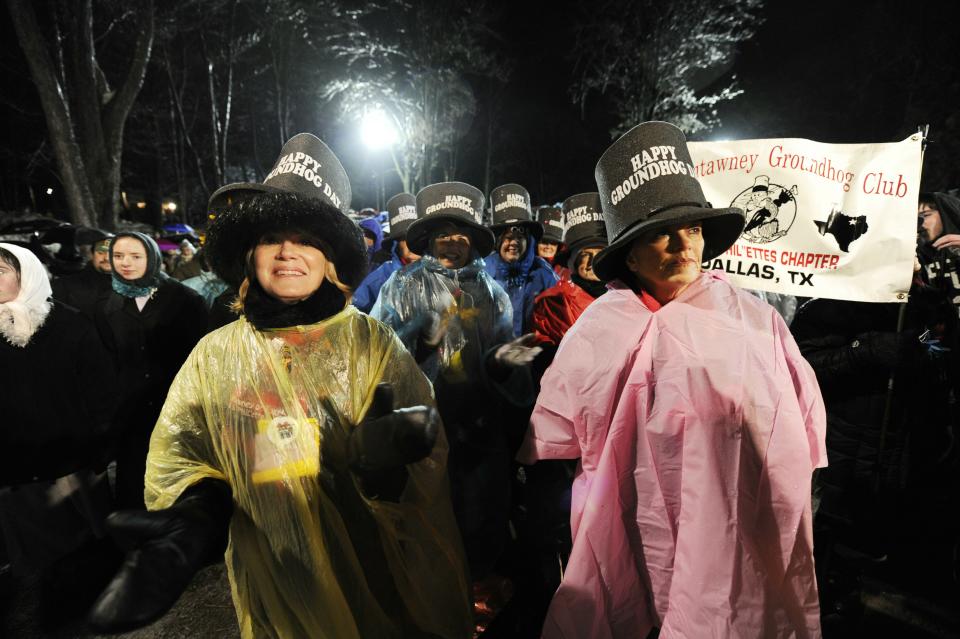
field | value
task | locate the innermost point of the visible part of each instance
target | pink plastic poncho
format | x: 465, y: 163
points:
x: 698, y: 428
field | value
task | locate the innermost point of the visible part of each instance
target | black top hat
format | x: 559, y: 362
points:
x: 510, y: 206
x: 646, y: 181
x: 585, y: 226
x: 454, y: 202
x: 309, y: 171
x: 551, y: 219
x: 402, y: 212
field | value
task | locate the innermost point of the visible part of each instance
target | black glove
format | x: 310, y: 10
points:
x: 165, y: 548
x: 885, y: 348
x: 387, y: 440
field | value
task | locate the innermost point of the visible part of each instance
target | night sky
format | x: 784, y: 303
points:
x: 830, y: 71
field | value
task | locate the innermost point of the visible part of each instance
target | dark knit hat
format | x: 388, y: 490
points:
x: 646, y: 182
x: 551, y: 219
x: 585, y: 226
x: 510, y: 206
x: 453, y: 202
x: 306, y: 192
x: 402, y: 212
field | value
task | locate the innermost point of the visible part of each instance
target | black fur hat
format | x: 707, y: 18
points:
x: 308, y: 193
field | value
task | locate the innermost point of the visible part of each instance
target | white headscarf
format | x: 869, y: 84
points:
x: 22, y: 316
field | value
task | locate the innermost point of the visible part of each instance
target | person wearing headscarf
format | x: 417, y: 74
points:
x: 697, y: 422
x: 457, y: 321
x: 514, y: 263
x: 402, y: 211
x: 304, y: 433
x: 55, y: 436
x: 150, y: 322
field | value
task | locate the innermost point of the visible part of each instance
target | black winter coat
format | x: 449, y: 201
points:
x: 149, y: 346
x: 853, y: 347
x: 60, y: 397
x: 82, y: 290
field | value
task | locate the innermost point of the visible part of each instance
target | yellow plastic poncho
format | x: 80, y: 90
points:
x: 309, y: 554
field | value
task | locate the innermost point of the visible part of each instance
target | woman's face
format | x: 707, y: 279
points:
x: 667, y: 260
x: 585, y: 263
x: 450, y: 244
x: 288, y: 268
x: 130, y: 258
x: 547, y: 249
x: 9, y: 283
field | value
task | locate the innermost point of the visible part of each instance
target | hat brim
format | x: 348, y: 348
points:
x: 721, y: 228
x: 535, y: 228
x: 418, y: 233
x: 232, y: 194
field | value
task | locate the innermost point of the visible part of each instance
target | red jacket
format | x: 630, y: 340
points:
x: 556, y: 309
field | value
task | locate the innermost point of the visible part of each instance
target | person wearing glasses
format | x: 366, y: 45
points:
x: 515, y: 264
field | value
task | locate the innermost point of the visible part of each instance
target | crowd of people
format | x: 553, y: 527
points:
x: 494, y: 419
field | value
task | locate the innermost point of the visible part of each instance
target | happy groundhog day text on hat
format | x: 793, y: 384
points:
x: 651, y: 163
x: 305, y: 166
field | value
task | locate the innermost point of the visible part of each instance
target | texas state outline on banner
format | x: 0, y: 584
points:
x: 822, y: 220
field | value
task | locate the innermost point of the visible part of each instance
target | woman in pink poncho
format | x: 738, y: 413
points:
x: 697, y: 422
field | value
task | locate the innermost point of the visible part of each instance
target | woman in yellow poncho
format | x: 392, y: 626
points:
x: 339, y: 516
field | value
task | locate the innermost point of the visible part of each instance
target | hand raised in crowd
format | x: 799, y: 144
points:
x: 519, y: 352
x: 950, y: 240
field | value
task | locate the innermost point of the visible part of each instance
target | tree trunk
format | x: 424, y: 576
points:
x: 56, y: 112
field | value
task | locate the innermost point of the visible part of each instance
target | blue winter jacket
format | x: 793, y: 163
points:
x: 522, y: 281
x: 366, y: 294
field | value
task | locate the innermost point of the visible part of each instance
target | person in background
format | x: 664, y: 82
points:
x: 549, y: 246
x: 187, y: 265
x: 207, y: 283
x: 402, y: 211
x: 697, y: 422
x: 372, y: 234
x: 55, y: 440
x: 149, y: 322
x: 456, y: 321
x: 939, y: 243
x: 87, y: 289
x: 514, y: 263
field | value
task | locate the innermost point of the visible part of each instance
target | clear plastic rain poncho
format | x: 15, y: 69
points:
x: 309, y: 555
x: 474, y: 310
x: 476, y: 314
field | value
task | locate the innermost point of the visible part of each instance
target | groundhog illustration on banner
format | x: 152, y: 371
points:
x: 770, y: 210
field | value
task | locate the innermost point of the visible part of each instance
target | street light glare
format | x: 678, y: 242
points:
x: 376, y: 130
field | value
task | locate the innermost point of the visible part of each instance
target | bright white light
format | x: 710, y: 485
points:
x: 49, y: 190
x: 377, y: 131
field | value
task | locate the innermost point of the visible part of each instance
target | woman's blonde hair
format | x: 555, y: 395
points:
x: 329, y: 275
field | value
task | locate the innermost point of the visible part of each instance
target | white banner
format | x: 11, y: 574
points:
x: 823, y: 220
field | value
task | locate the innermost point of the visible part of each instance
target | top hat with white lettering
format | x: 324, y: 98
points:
x: 454, y: 202
x: 309, y: 172
x: 646, y: 181
x: 551, y: 219
x: 510, y: 206
x: 401, y: 212
x: 585, y: 226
